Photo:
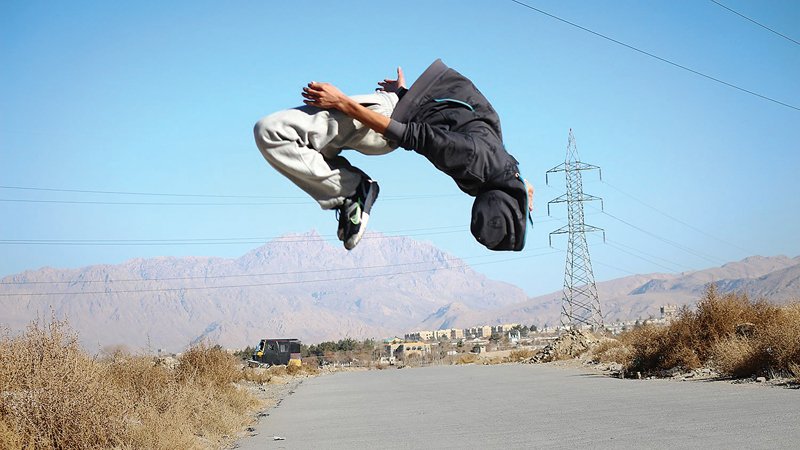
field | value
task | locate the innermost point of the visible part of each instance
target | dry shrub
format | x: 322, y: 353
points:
x: 717, y: 316
x: 773, y: 347
x: 303, y: 370
x: 256, y: 375
x: 781, y: 339
x: 9, y: 438
x: 466, y: 358
x: 737, y: 356
x: 278, y: 371
x: 493, y: 361
x: 55, y: 396
x: 646, y: 345
x: 520, y: 355
x: 682, y: 357
x: 309, y: 370
x: 794, y: 369
x: 613, y: 350
x: 214, y: 407
x: 277, y: 374
x: 293, y: 369
x: 708, y: 335
x: 207, y: 364
x: 605, y: 345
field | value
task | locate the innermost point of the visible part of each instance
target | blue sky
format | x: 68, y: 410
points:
x: 161, y: 97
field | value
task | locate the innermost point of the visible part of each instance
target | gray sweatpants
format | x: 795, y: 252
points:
x: 304, y: 145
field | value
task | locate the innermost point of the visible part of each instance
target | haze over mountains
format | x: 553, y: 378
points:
x: 303, y: 286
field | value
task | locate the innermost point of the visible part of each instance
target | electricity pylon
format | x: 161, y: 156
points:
x: 580, y: 304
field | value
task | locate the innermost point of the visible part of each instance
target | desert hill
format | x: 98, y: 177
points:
x: 304, y: 286
x: 386, y: 286
x: 640, y: 296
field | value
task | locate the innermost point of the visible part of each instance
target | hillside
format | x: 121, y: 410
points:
x: 386, y: 286
x: 640, y: 296
x: 274, y: 290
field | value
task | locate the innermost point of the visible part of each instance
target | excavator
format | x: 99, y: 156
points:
x: 276, y: 352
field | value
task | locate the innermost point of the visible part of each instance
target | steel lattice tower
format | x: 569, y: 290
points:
x: 580, y: 304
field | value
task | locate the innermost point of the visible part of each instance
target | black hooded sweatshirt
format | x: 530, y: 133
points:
x: 445, y: 118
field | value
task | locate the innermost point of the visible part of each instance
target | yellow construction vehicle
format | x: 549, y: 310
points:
x: 276, y: 352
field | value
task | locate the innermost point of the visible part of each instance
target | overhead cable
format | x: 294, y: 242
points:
x: 167, y: 194
x: 680, y: 66
x: 247, y: 275
x: 665, y: 240
x: 755, y: 22
x: 669, y: 216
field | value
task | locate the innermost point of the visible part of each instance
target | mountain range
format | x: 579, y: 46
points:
x: 306, y: 287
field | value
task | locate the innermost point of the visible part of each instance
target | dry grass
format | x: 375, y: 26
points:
x: 205, y: 364
x: 794, y: 369
x: 612, y: 350
x: 520, y: 355
x: 707, y: 336
x: 55, y: 396
x: 467, y: 358
x: 277, y: 374
x: 737, y: 356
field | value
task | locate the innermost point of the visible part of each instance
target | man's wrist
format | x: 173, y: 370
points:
x: 346, y: 105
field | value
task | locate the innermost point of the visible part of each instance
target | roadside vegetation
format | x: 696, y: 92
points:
x: 53, y: 395
x: 730, y: 333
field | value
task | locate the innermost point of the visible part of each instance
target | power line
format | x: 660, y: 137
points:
x: 596, y: 261
x: 679, y: 220
x: 103, y: 202
x: 249, y: 275
x: 665, y: 240
x: 277, y: 283
x: 655, y: 56
x: 680, y: 267
x: 620, y: 248
x: 165, y: 194
x: 228, y: 241
x: 390, y: 234
x: 755, y: 22
x: 158, y: 194
x: 93, y: 202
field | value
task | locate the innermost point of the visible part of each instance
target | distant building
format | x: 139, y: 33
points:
x: 441, y: 334
x: 478, y: 332
x: 397, y: 349
x: 504, y: 328
x: 407, y: 349
x: 420, y: 336
x: 479, y: 346
x: 669, y: 312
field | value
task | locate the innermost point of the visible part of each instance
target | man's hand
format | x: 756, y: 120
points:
x: 328, y: 96
x: 388, y: 85
x: 529, y: 188
x: 323, y: 95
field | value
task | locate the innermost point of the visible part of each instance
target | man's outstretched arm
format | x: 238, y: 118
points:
x: 328, y: 96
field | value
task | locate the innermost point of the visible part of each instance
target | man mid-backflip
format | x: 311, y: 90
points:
x: 442, y: 116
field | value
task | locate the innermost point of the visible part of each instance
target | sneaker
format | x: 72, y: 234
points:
x: 353, y: 215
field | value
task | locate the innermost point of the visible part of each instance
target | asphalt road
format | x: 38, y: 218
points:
x: 526, y: 406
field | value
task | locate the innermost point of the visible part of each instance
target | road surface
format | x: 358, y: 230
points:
x: 526, y: 406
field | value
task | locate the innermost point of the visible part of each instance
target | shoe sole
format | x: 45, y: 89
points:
x: 365, y: 210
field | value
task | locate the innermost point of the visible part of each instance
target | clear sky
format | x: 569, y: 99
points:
x: 160, y: 97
